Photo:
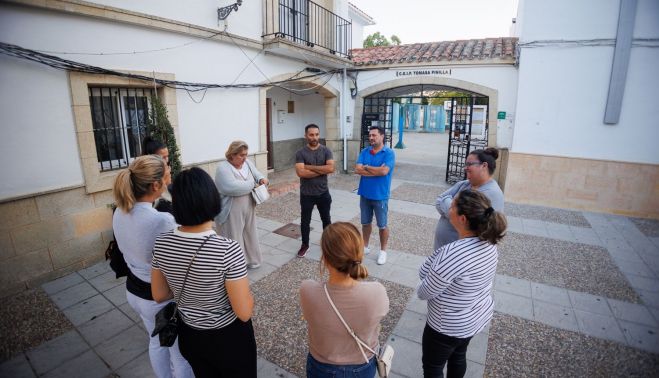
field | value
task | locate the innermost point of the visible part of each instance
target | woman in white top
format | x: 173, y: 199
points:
x: 456, y: 280
x: 136, y: 225
x: 214, y: 301
x: 235, y: 178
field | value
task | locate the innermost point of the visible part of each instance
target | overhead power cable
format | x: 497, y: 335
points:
x: 69, y: 65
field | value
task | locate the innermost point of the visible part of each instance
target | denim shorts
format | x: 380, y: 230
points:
x: 379, y: 207
x: 316, y: 369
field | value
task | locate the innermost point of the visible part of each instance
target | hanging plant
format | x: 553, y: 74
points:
x: 161, y: 129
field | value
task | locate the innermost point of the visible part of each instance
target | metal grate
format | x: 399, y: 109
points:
x: 119, y: 119
x: 307, y: 23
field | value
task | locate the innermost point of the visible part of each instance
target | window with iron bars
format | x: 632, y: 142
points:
x: 119, y: 119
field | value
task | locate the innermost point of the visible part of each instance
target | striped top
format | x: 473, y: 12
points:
x: 456, y: 280
x: 205, y: 302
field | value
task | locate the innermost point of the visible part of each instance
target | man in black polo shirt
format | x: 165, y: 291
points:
x: 313, y: 163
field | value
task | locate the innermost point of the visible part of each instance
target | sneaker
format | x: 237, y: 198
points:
x: 303, y: 250
x: 382, y: 258
x: 253, y: 266
x: 366, y: 250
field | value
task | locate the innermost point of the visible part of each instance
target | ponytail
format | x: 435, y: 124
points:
x: 343, y: 248
x: 123, y: 191
x: 135, y: 181
x: 488, y: 224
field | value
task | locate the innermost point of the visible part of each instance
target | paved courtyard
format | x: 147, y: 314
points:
x: 576, y: 294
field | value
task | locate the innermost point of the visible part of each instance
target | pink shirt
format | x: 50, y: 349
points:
x: 362, y: 307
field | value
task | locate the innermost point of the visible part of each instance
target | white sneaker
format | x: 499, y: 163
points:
x: 366, y: 250
x: 382, y: 258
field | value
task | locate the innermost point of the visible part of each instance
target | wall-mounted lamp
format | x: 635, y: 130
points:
x: 224, y: 12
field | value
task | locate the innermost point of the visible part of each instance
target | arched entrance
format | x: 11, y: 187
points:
x: 286, y: 110
x: 460, y: 110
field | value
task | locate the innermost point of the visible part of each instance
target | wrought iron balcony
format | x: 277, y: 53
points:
x: 309, y: 24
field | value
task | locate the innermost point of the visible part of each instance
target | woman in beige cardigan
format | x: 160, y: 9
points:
x: 235, y: 178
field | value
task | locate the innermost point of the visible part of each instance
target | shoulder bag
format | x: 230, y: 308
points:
x: 386, y: 355
x: 260, y: 192
x: 167, y: 320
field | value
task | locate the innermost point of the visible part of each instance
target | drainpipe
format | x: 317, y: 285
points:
x: 342, y: 110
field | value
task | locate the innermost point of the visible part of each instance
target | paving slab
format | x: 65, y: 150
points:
x: 116, y: 295
x: 89, y: 363
x: 57, y: 351
x: 555, y: 315
x: 257, y: 274
x: 589, y: 303
x: 105, y: 326
x: 550, y: 294
x: 74, y: 294
x: 474, y: 369
x: 62, y: 283
x: 88, y: 309
x: 407, y: 357
x: 17, y: 367
x: 513, y: 304
x: 513, y: 285
x: 123, y: 347
x: 477, y: 350
x: 417, y: 305
x: 95, y: 270
x: 632, y: 312
x: 267, y: 369
x: 600, y: 326
x: 128, y: 311
x: 410, y: 326
x: 404, y: 276
x: 106, y: 281
x: 641, y: 336
x: 140, y: 367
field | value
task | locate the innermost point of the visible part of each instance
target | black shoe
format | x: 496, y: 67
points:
x: 303, y: 250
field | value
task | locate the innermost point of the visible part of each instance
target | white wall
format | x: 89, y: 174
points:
x: 563, y: 90
x: 246, y: 22
x: 308, y: 109
x: 500, y: 78
x: 38, y: 141
x: 205, y: 128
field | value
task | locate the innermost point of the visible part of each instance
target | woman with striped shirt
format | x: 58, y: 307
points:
x: 456, y: 280
x: 215, y: 303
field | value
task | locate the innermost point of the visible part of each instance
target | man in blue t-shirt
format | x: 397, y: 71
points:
x: 376, y: 165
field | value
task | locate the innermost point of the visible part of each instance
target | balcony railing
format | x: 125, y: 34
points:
x: 309, y: 24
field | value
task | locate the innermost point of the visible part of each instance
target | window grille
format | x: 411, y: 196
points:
x: 119, y: 119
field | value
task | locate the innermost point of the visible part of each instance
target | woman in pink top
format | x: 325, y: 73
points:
x: 332, y: 351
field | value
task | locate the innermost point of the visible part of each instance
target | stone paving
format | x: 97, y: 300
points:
x: 108, y: 337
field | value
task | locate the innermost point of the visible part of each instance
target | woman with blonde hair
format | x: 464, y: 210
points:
x: 136, y: 225
x: 235, y: 178
x: 361, y: 304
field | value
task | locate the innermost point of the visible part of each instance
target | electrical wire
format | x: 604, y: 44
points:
x: 69, y: 65
x: 131, y: 52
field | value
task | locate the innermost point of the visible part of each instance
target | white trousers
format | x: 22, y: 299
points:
x: 166, y: 362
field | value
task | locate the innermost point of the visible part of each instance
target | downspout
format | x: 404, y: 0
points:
x: 343, y: 121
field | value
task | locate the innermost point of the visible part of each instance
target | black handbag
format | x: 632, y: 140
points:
x: 117, y: 262
x: 167, y: 319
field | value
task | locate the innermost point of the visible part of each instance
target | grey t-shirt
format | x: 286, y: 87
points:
x: 317, y: 185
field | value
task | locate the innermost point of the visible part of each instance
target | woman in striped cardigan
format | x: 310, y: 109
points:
x: 456, y: 280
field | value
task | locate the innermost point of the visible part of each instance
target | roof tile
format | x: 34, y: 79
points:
x: 505, y: 47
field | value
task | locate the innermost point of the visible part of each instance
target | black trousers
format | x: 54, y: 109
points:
x: 438, y: 349
x: 226, y: 352
x: 323, y: 202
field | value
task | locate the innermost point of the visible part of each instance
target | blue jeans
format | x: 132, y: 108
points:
x: 317, y: 369
x: 379, y: 207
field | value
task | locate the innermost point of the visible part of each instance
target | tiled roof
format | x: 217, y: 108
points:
x: 461, y: 50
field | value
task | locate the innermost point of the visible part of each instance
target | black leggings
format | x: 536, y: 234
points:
x: 323, y: 202
x: 438, y: 349
x: 226, y: 352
